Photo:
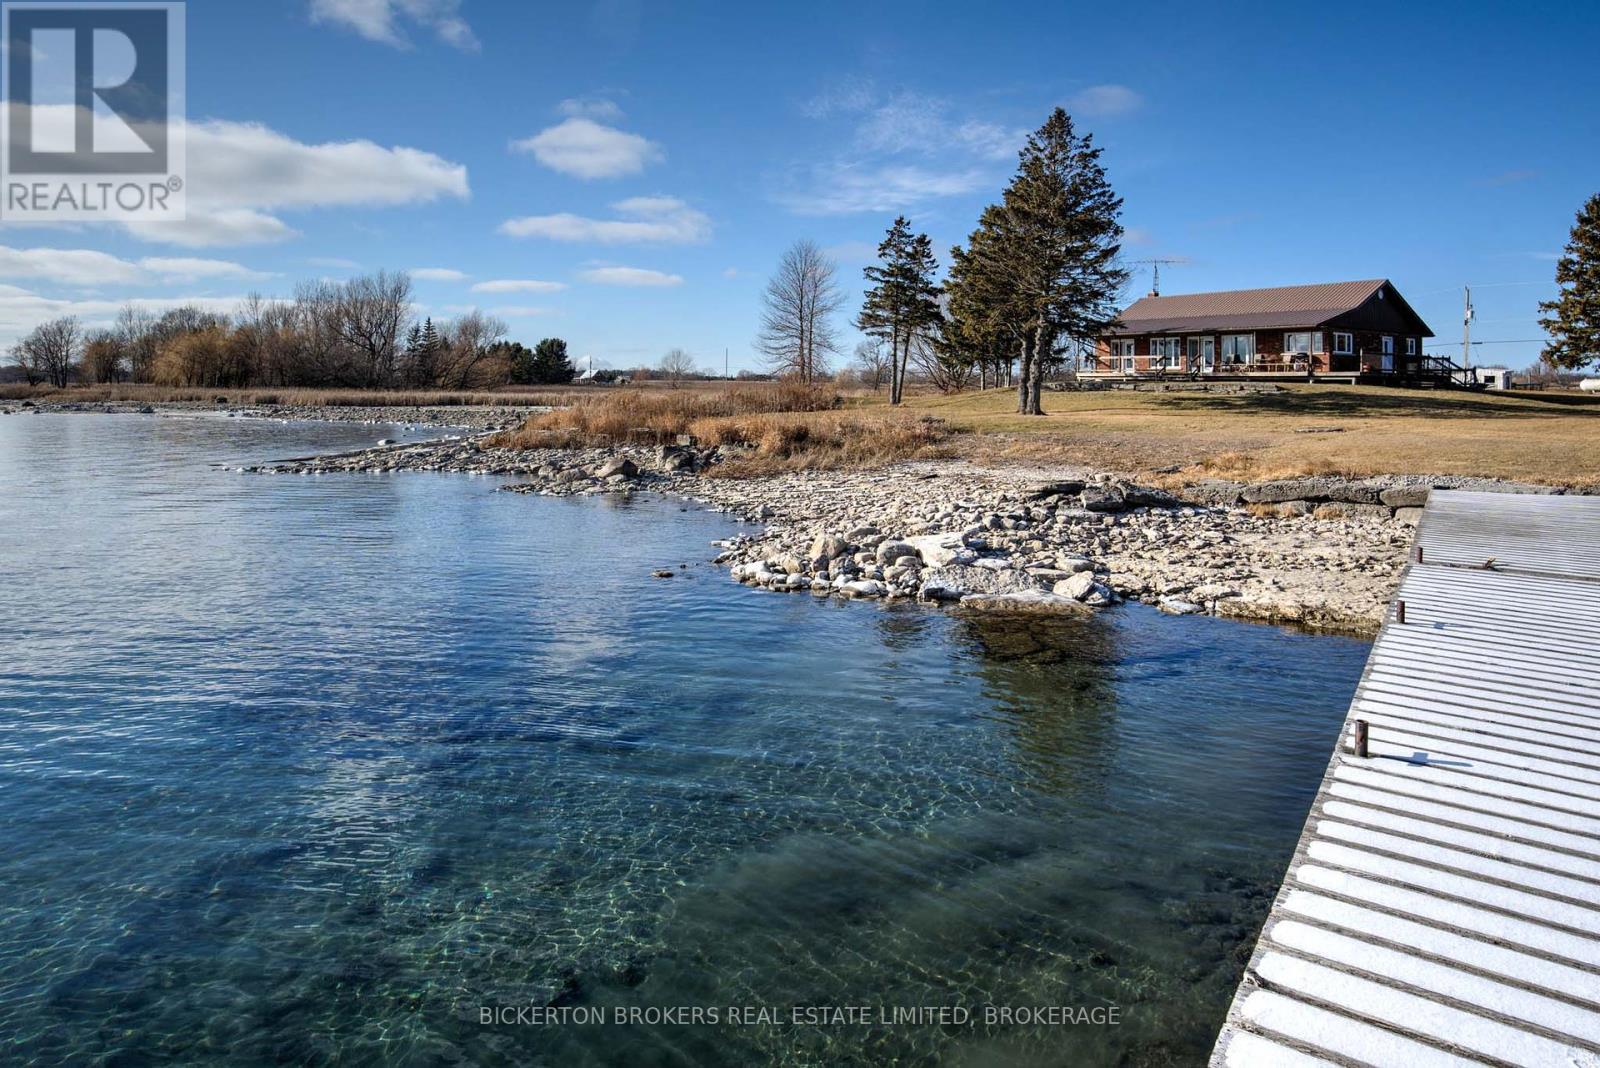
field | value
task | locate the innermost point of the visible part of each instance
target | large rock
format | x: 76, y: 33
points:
x: 958, y: 580
x: 894, y: 550
x: 1412, y: 496
x: 1025, y: 601
x: 1078, y: 586
x: 941, y: 550
x: 1290, y: 489
x: 829, y: 546
x: 1408, y: 516
x: 1365, y: 491
x: 1059, y: 488
x: 1085, y: 587
x: 864, y: 588
x: 1105, y: 497
x: 618, y: 465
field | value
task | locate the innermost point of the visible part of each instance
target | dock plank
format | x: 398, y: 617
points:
x: 1443, y: 904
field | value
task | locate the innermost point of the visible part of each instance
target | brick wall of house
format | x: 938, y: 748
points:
x: 1269, y: 349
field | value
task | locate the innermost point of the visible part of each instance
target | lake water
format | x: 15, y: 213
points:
x: 314, y: 769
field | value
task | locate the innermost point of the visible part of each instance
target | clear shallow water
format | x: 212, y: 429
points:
x: 301, y: 769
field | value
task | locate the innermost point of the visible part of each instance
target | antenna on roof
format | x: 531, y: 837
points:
x: 1155, y: 276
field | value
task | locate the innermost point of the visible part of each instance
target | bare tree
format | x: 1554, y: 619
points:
x: 676, y: 365
x: 466, y: 347
x: 135, y: 336
x: 50, y: 350
x: 797, y: 329
x: 103, y: 358
x: 22, y: 359
x: 871, y: 364
x: 369, y: 317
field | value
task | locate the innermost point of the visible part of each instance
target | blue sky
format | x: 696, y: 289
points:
x: 625, y: 175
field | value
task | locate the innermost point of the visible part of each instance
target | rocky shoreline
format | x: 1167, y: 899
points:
x: 479, y: 418
x: 1320, y: 553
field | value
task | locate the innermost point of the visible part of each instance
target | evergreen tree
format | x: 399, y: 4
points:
x: 988, y: 318
x: 423, y: 350
x: 550, y: 363
x: 1041, y: 269
x: 1573, y: 319
x: 518, y: 359
x: 903, y: 300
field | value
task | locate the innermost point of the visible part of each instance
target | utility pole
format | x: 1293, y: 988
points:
x: 1466, y: 330
x: 724, y: 361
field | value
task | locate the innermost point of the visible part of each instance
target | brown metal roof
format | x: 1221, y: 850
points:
x: 1248, y: 309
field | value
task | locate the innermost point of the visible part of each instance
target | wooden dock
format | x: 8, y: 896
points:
x: 1443, y: 904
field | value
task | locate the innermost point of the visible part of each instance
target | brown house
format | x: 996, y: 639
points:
x: 1364, y: 328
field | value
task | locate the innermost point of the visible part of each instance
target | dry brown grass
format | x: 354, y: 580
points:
x: 1534, y: 436
x: 264, y: 395
x: 815, y: 441
x: 628, y: 415
x: 783, y: 427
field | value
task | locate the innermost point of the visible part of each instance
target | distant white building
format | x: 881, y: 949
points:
x: 1592, y: 385
x: 1495, y: 377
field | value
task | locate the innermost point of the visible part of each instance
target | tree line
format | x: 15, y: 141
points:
x: 362, y: 333
x: 1038, y: 278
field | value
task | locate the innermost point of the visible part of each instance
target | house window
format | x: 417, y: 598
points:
x: 1388, y: 345
x: 1166, y: 352
x: 1122, y: 355
x: 1306, y: 342
x: 1238, y: 348
x: 1343, y: 344
x: 1411, y: 346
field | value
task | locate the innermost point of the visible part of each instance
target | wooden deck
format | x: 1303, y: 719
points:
x: 1443, y: 904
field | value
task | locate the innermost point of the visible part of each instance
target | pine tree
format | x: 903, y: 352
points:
x: 550, y: 363
x: 989, y: 320
x: 903, y: 301
x: 1573, y: 319
x: 1041, y: 269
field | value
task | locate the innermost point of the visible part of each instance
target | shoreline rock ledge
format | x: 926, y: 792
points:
x: 1322, y: 553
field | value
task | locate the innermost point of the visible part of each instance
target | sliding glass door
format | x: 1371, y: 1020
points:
x: 1203, y: 353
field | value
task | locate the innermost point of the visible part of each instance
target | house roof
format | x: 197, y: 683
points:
x: 1256, y: 309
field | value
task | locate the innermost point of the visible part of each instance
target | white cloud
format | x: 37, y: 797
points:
x: 629, y: 276
x: 87, y: 267
x: 438, y: 274
x: 333, y: 261
x: 955, y: 154
x: 518, y: 311
x: 842, y: 188
x: 378, y: 20
x: 191, y: 268
x: 590, y: 107
x: 1104, y: 101
x: 208, y: 229
x: 666, y: 220
x: 21, y: 310
x: 518, y: 285
x: 584, y: 148
x: 844, y: 96
x: 730, y: 272
x: 241, y: 172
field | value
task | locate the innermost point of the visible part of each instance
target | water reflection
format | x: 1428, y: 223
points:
x: 1050, y: 680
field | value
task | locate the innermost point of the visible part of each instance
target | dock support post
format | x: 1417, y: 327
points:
x: 1399, y: 611
x: 1361, y: 739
